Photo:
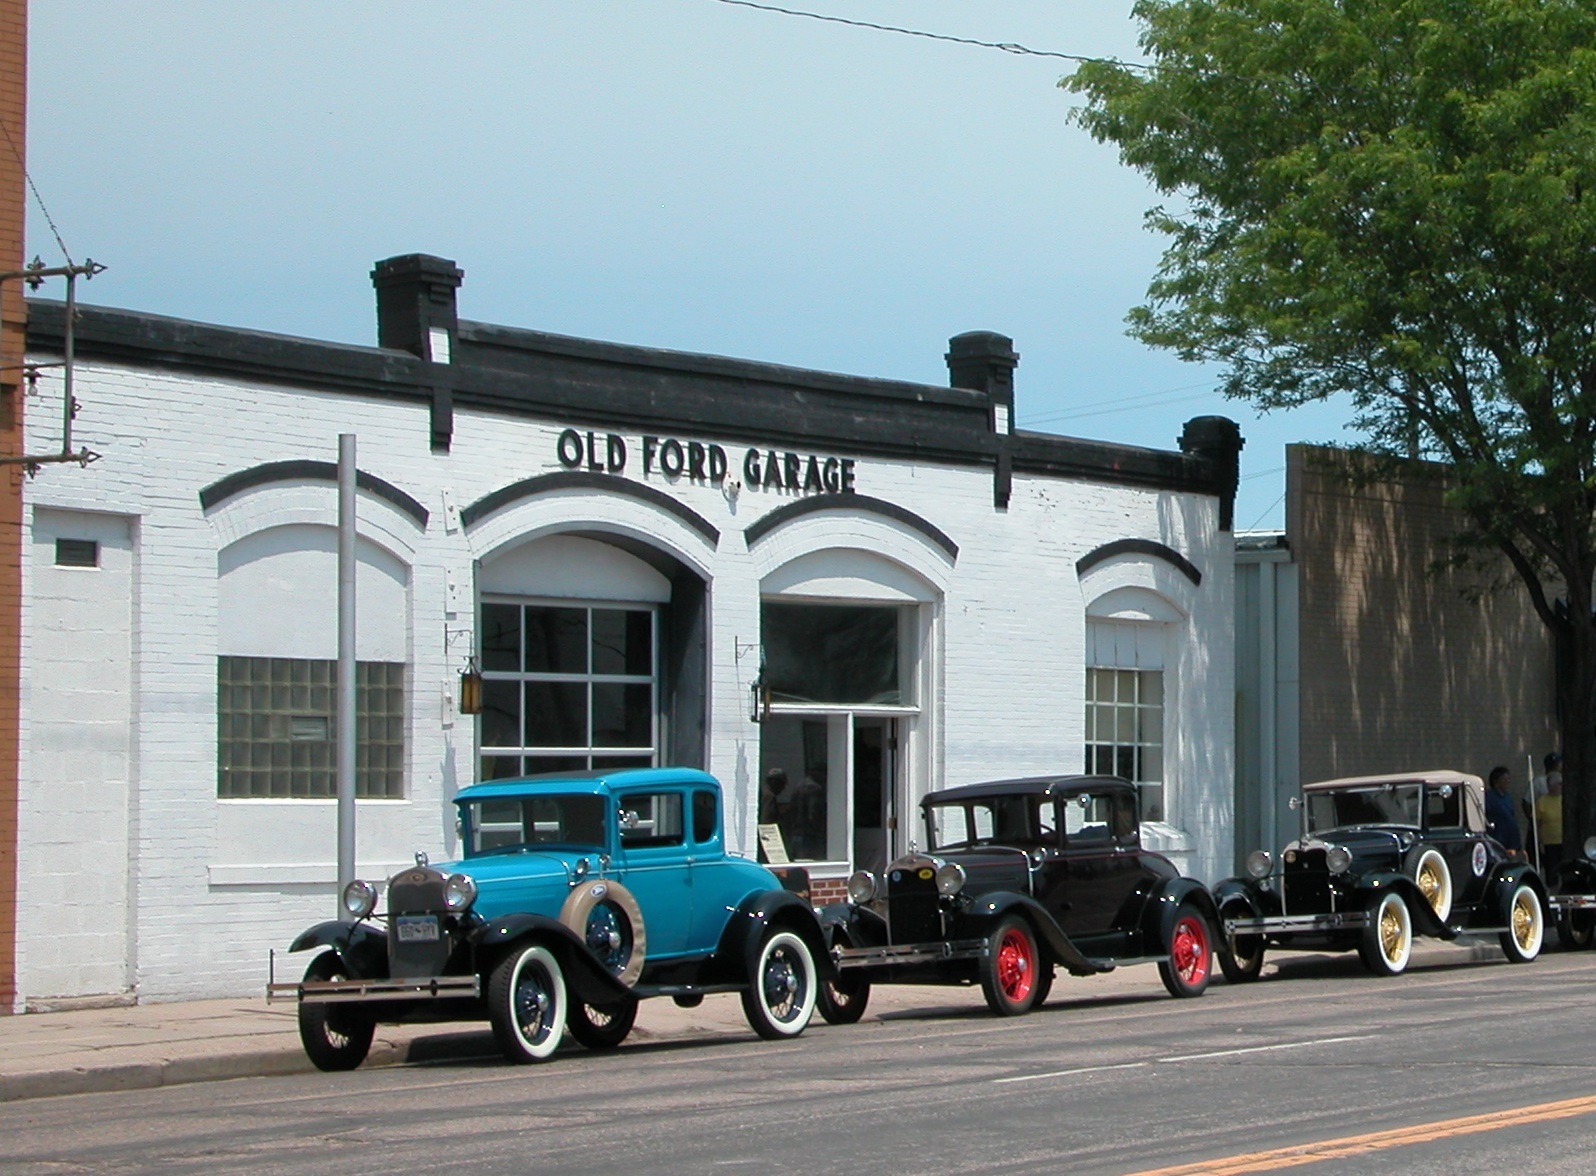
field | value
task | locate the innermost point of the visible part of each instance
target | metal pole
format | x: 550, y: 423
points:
x: 346, y: 666
x: 69, y: 347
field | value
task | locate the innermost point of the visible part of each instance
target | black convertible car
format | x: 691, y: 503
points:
x: 1380, y: 860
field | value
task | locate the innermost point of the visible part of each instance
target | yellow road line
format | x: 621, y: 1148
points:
x: 1353, y: 1145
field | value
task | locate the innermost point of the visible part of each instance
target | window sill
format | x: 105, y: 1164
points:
x: 1158, y: 836
x: 293, y: 874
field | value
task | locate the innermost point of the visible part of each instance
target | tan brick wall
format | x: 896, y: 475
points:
x: 13, y: 95
x: 1400, y: 668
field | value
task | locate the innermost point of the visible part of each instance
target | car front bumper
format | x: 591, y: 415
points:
x: 352, y: 991
x: 911, y: 953
x: 1298, y: 924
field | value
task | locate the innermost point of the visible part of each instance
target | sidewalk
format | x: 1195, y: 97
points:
x: 141, y: 1046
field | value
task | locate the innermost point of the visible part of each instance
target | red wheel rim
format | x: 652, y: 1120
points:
x: 1016, y: 965
x: 1189, y: 950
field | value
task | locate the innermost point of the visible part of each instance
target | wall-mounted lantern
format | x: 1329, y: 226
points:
x: 471, y: 688
x: 760, y: 708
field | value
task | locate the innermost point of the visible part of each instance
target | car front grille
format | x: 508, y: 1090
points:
x: 914, y: 912
x: 418, y: 935
x: 1306, y: 882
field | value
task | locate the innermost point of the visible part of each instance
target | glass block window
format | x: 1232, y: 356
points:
x: 277, y: 728
x: 1125, y: 707
x: 567, y: 687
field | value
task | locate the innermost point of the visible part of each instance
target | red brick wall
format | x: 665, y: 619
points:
x: 1401, y: 669
x: 13, y: 95
x: 823, y: 891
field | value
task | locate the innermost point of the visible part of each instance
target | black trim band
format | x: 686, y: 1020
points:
x: 309, y: 471
x: 583, y: 480
x: 782, y: 515
x: 1146, y: 547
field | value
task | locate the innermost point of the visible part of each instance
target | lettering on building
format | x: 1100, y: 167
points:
x: 672, y: 458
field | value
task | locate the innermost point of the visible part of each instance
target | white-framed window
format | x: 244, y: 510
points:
x: 840, y: 680
x: 567, y: 685
x: 1125, y: 728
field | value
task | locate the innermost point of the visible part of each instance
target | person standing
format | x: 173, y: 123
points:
x: 1549, y: 824
x: 1500, y: 821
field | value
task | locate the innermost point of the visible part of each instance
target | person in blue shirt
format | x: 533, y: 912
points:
x: 1500, y: 822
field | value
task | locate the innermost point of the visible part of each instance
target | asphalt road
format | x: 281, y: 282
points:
x: 1471, y: 1067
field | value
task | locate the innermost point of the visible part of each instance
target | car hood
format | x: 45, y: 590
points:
x: 516, y: 883
x: 1370, y: 845
x: 988, y: 870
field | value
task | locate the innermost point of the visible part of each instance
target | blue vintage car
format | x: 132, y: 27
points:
x: 577, y: 896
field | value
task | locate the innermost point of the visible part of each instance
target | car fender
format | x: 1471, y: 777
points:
x: 860, y: 926
x: 1246, y: 893
x: 362, y: 947
x: 1419, y: 909
x: 1576, y: 877
x: 1506, y: 880
x: 764, y: 909
x: 1158, y: 919
x: 993, y: 906
x: 585, y: 975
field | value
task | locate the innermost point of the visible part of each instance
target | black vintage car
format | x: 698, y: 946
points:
x: 1381, y: 859
x: 1019, y: 876
x: 1573, y: 900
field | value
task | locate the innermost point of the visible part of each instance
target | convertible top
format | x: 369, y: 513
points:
x: 1471, y: 786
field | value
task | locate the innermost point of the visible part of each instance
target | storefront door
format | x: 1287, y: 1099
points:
x: 827, y: 783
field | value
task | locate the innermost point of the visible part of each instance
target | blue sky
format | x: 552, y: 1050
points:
x: 687, y: 174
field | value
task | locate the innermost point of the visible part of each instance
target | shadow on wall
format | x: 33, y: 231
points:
x: 1406, y: 664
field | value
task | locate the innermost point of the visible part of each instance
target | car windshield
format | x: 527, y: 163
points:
x: 510, y: 824
x: 992, y: 820
x: 1378, y: 804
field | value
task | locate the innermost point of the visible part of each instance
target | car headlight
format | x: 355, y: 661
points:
x: 1338, y: 858
x: 1259, y: 863
x: 950, y: 879
x: 459, y: 892
x: 1590, y: 848
x: 360, y: 898
x: 861, y: 887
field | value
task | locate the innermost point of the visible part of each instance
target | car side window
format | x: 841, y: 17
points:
x: 650, y: 819
x: 1443, y: 811
x: 1086, y: 820
x: 706, y: 816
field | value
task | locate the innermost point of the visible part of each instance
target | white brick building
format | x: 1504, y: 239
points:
x: 641, y: 549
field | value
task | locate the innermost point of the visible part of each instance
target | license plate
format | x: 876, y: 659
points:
x: 418, y: 928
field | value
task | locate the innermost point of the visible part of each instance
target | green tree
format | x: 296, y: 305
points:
x: 1394, y: 201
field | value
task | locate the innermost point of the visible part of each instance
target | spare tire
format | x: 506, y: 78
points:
x: 606, y: 917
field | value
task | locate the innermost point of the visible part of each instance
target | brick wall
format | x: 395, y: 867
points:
x: 13, y: 92
x: 1405, y: 667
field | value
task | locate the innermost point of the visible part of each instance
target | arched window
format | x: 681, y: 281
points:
x: 277, y: 667
x: 1129, y: 656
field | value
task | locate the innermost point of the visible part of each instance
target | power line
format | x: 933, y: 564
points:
x: 32, y: 187
x: 1005, y: 46
x: 1123, y: 404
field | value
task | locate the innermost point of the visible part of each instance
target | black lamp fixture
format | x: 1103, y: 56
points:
x: 761, y: 698
x: 471, y: 688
